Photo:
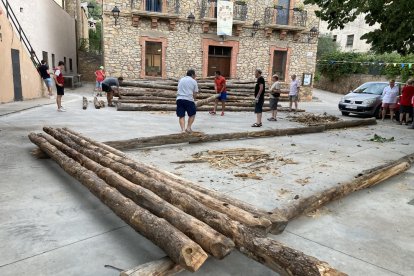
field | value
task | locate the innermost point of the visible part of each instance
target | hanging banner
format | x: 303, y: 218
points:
x: 224, y: 18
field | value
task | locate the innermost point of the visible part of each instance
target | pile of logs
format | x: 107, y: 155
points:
x: 98, y: 103
x: 161, y: 95
x: 185, y: 220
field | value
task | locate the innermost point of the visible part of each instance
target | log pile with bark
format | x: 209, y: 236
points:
x: 160, y: 96
x: 184, y: 220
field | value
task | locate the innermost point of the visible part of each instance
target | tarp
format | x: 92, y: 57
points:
x: 224, y: 18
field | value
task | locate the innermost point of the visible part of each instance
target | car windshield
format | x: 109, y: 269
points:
x: 371, y: 88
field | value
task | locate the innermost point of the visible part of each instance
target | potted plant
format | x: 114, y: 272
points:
x: 299, y: 7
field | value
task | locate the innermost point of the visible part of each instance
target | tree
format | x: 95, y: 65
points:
x: 395, y: 19
x: 326, y: 45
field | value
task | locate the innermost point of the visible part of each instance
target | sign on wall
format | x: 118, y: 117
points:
x: 224, y: 17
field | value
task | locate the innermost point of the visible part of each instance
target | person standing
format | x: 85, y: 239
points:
x: 294, y: 93
x: 412, y: 124
x: 60, y: 85
x: 187, y: 87
x: 405, y: 102
x: 45, y: 74
x: 274, y: 97
x: 220, y: 87
x: 259, y: 92
x: 389, y: 99
x: 107, y: 85
x: 100, y: 76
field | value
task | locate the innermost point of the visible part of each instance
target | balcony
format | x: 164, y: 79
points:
x: 285, y: 20
x: 155, y: 10
x: 209, y: 11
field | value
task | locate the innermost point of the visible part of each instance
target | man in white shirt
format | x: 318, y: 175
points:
x: 389, y: 99
x: 294, y: 93
x: 187, y: 87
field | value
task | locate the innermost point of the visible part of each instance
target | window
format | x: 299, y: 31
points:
x: 45, y: 57
x: 70, y: 65
x: 219, y: 51
x: 153, y: 59
x: 279, y: 64
x: 153, y: 5
x: 53, y: 61
x: 64, y: 61
x: 334, y: 38
x: 350, y: 40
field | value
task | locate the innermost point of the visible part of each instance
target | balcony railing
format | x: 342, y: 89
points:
x: 209, y: 10
x: 284, y: 16
x: 159, y: 6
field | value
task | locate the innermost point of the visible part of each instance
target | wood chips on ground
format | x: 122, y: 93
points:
x: 311, y: 119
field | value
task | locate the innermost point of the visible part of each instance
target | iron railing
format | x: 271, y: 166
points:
x: 173, y: 6
x: 280, y: 16
x: 22, y: 35
x: 209, y: 10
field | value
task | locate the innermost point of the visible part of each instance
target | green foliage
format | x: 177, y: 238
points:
x: 395, y: 19
x: 337, y: 64
x: 326, y: 46
x: 379, y: 139
x: 97, y: 11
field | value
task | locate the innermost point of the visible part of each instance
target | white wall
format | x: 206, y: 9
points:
x: 356, y: 28
x: 49, y: 28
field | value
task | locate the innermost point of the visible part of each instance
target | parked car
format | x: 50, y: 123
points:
x: 365, y: 100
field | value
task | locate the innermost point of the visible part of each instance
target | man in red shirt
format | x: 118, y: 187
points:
x: 220, y: 87
x: 412, y: 103
x: 60, y: 82
x: 405, y: 102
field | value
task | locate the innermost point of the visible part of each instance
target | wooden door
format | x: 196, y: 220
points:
x: 221, y: 64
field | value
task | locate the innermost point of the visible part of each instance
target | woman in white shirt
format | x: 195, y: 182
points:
x: 389, y: 99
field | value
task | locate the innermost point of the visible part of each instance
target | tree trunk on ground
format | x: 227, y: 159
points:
x: 178, y: 246
x: 214, y: 243
x: 200, y: 103
x: 162, y: 267
x: 96, y: 103
x: 84, y: 103
x: 102, y: 103
x: 351, y: 123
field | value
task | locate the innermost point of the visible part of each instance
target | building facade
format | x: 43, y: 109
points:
x: 349, y: 38
x: 158, y: 39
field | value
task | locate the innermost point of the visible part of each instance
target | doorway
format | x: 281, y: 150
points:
x: 17, y: 80
x: 219, y: 59
x: 153, y: 59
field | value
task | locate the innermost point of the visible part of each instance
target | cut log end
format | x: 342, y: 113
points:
x: 193, y: 258
x: 326, y: 270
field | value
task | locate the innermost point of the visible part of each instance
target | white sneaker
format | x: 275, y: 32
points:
x: 61, y: 110
x: 64, y: 109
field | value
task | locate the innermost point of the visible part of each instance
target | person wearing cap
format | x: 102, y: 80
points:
x: 100, y: 76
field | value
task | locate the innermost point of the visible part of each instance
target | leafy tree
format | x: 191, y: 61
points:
x: 326, y: 45
x: 96, y: 12
x: 395, y: 19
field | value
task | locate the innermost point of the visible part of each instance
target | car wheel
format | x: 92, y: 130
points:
x: 377, y: 113
x: 344, y: 113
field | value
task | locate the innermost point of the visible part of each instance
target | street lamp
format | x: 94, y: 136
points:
x: 191, y: 19
x: 115, y: 14
x: 313, y: 32
x: 256, y: 26
x: 90, y: 7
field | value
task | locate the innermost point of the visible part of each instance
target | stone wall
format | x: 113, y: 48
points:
x: 184, y: 49
x: 88, y: 64
x: 346, y: 84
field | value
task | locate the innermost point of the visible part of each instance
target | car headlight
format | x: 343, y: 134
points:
x: 342, y: 99
x: 369, y: 101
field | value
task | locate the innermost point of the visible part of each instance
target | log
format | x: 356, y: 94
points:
x: 210, y: 240
x: 200, y: 103
x: 96, y: 103
x: 84, y: 103
x: 351, y: 123
x: 276, y: 256
x: 220, y: 206
x: 178, y: 246
x: 362, y: 181
x: 159, y: 107
x: 201, y: 138
x: 102, y: 103
x: 162, y: 267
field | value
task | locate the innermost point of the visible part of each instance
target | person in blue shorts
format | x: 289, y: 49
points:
x: 220, y: 87
x: 187, y: 87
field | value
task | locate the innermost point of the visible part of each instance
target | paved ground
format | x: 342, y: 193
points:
x: 51, y: 225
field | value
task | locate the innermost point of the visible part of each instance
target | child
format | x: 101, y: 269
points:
x: 60, y: 82
x: 100, y: 76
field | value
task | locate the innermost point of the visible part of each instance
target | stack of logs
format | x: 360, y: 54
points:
x: 161, y: 95
x: 181, y: 218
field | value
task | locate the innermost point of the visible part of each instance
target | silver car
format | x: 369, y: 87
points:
x: 365, y: 100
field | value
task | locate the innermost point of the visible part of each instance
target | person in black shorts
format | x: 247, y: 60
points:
x: 107, y: 85
x: 60, y: 85
x: 259, y: 92
x: 187, y: 89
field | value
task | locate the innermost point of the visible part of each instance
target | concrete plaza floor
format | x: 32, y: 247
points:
x: 51, y: 225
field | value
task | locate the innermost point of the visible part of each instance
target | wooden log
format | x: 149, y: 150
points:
x: 96, y: 103
x: 162, y: 267
x: 351, y: 123
x: 201, y: 138
x: 276, y: 256
x: 210, y: 240
x: 362, y: 181
x: 84, y: 103
x: 102, y: 103
x: 200, y: 103
x: 215, y: 204
x: 178, y: 246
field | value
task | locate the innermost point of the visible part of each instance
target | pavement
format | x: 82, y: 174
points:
x: 52, y: 225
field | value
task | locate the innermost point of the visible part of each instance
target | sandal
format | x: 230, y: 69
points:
x: 256, y: 125
x: 272, y: 119
x: 212, y: 112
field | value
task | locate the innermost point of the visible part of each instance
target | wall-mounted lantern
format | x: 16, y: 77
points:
x: 256, y: 26
x: 90, y: 7
x: 313, y: 32
x: 115, y: 14
x: 191, y: 19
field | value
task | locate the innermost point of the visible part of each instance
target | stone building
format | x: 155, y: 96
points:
x: 158, y: 39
